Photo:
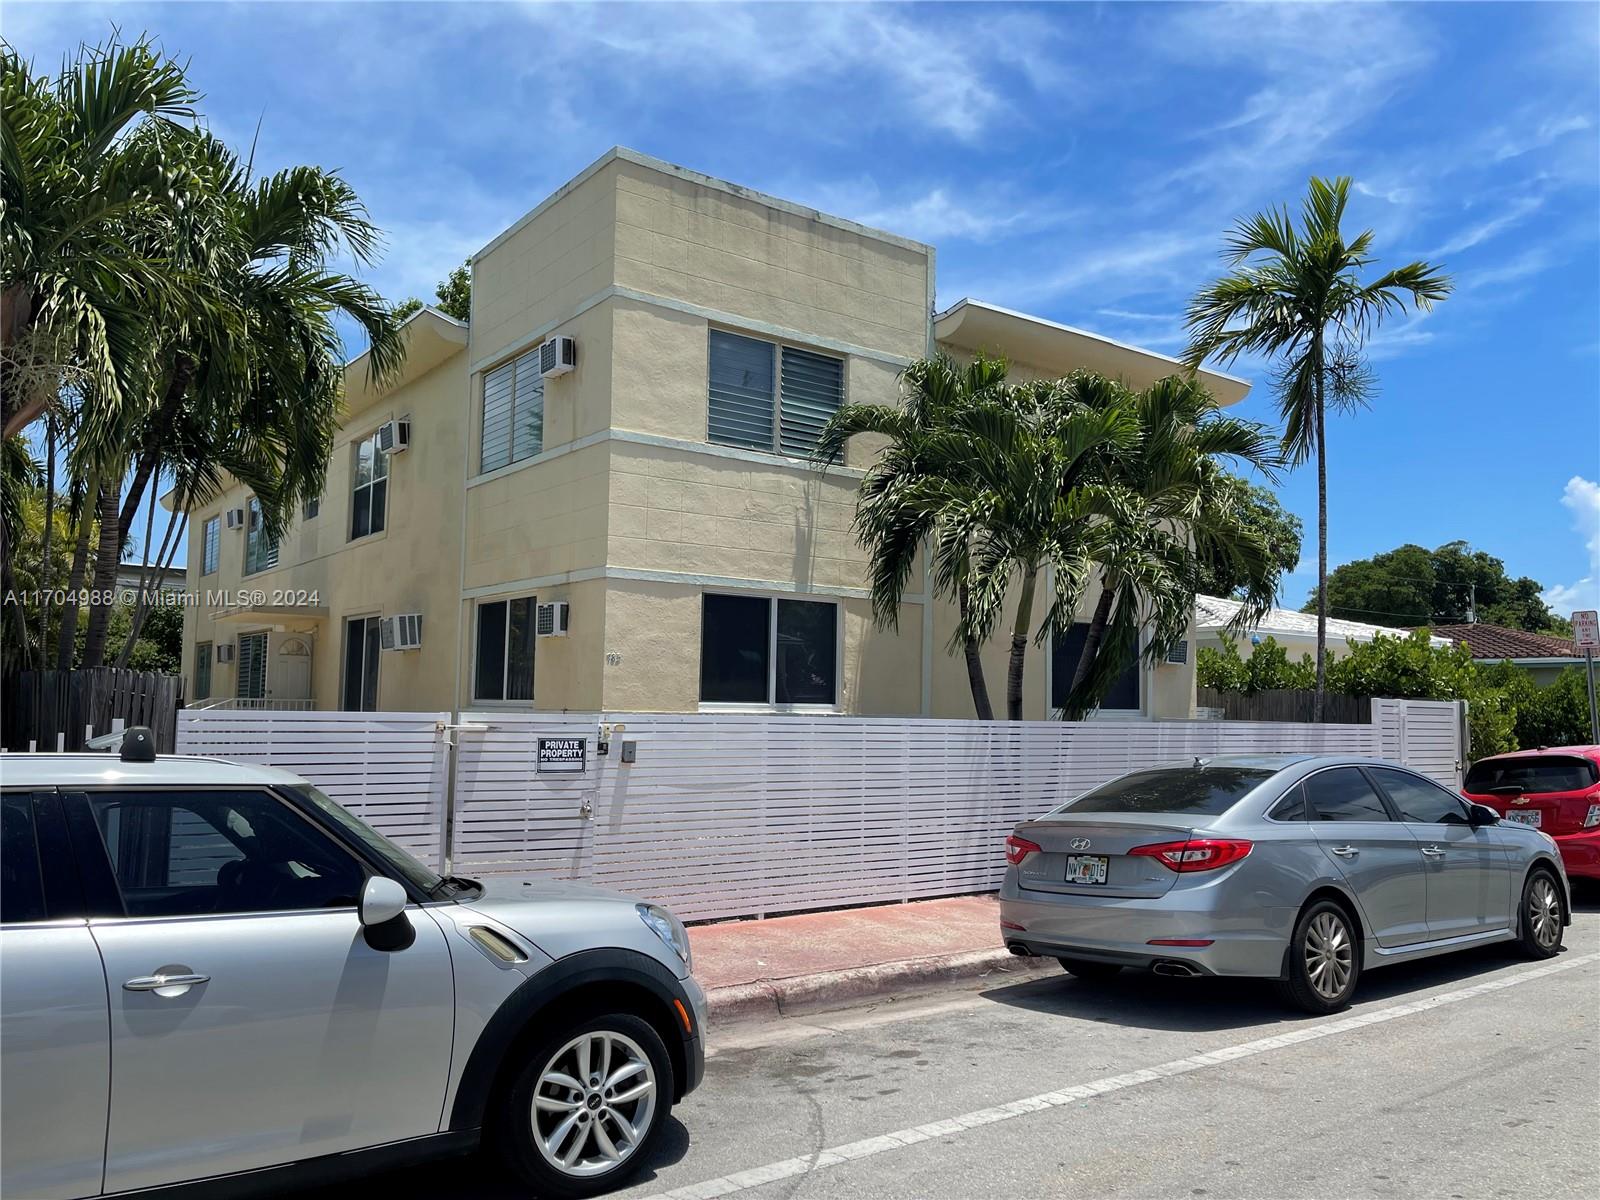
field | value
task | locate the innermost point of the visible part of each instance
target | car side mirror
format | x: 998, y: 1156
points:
x: 384, y: 923
x: 1481, y: 814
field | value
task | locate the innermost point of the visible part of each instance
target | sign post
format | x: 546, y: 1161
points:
x: 1586, y: 636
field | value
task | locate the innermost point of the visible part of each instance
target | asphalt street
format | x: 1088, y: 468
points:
x: 1474, y: 1075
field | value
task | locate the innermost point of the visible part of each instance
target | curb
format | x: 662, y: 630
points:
x: 786, y: 997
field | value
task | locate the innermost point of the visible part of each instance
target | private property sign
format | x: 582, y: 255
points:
x: 1586, y: 629
x: 558, y: 754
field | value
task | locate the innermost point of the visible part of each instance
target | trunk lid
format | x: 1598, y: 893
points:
x: 1554, y: 793
x: 1109, y: 836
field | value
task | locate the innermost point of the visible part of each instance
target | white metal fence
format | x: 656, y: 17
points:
x: 737, y: 815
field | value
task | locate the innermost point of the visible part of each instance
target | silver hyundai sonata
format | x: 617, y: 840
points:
x: 1304, y: 870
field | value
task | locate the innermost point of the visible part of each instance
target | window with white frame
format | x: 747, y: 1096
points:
x: 502, y: 666
x: 1123, y: 695
x: 369, y: 496
x: 770, y: 397
x: 768, y: 650
x: 202, y: 670
x: 361, y: 650
x: 513, y: 413
x: 210, y: 545
x: 260, y: 546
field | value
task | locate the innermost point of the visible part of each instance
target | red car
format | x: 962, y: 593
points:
x: 1555, y: 790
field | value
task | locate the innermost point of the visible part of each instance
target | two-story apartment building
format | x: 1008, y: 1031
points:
x: 661, y: 488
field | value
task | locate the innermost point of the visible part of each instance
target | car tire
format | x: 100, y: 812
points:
x: 547, y: 1091
x: 1324, y: 961
x: 1539, y: 915
x: 1089, y: 972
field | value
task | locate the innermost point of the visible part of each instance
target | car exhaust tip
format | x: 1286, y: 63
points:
x: 1019, y: 950
x: 1168, y: 966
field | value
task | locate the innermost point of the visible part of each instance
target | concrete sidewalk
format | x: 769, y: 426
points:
x: 778, y: 966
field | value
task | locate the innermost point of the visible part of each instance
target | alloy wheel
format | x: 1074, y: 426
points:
x: 1329, y: 955
x: 594, y: 1103
x: 1544, y: 912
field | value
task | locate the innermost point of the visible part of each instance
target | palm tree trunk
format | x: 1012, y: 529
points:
x: 1019, y: 645
x: 969, y: 649
x: 1322, y: 545
x: 67, y: 635
x: 1097, y: 630
x: 48, y: 535
x: 108, y: 554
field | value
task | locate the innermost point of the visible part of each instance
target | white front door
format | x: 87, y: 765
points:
x: 289, y: 677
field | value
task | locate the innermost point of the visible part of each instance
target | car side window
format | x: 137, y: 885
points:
x: 191, y: 853
x: 1421, y: 800
x: 1343, y: 794
x: 1291, y: 808
x: 21, y: 881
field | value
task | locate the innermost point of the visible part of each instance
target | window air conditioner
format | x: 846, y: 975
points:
x: 403, y: 631
x: 1179, y: 654
x: 395, y: 436
x: 551, y: 619
x: 235, y: 518
x: 224, y: 652
x: 557, y: 356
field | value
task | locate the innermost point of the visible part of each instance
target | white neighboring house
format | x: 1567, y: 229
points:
x: 1295, y: 631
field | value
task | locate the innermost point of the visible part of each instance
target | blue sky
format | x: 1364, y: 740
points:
x: 1079, y: 161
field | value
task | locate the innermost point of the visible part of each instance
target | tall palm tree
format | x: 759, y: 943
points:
x: 890, y: 521
x: 1296, y: 294
x: 1192, y: 520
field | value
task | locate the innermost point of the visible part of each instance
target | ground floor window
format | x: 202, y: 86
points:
x: 202, y: 670
x: 502, y: 666
x: 361, y: 650
x: 768, y: 650
x: 252, y: 666
x: 1064, y: 651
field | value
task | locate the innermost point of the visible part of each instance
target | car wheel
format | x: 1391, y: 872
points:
x: 1539, y: 928
x: 1324, y: 960
x: 1089, y: 972
x: 586, y: 1107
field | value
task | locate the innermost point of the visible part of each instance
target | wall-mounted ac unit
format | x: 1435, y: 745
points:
x: 395, y: 436
x: 403, y: 631
x: 1179, y: 654
x: 557, y: 356
x: 235, y: 518
x: 550, y: 620
x: 224, y: 652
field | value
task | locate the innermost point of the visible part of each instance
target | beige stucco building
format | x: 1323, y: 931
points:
x: 661, y: 488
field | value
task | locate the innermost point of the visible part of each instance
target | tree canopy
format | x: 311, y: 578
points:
x: 454, y: 294
x: 1258, y: 509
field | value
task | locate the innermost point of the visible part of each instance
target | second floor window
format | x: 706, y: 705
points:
x: 369, y: 499
x: 260, y: 547
x: 513, y: 413
x: 210, y: 545
x: 770, y: 397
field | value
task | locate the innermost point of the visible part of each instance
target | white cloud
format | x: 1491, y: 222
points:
x: 1582, y: 497
x: 1548, y: 130
x: 1512, y: 214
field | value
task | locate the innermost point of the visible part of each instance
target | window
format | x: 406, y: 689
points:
x: 758, y: 650
x: 1291, y: 808
x: 252, y: 683
x: 770, y: 397
x: 361, y: 650
x: 21, y: 882
x: 313, y: 508
x: 202, y: 670
x: 513, y: 413
x: 1421, y: 800
x: 260, y: 547
x: 210, y: 545
x: 1537, y: 776
x: 369, y: 498
x: 503, y: 662
x: 1208, y: 791
x: 1343, y: 794
x: 1064, y: 651
x: 201, y: 853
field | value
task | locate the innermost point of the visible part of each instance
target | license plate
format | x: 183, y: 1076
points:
x: 1523, y: 816
x: 1087, y: 868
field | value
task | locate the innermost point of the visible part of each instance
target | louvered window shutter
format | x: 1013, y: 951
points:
x: 496, y: 439
x: 741, y: 391
x: 813, y: 390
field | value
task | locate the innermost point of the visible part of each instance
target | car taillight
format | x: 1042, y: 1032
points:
x: 1018, y: 849
x: 1196, y: 854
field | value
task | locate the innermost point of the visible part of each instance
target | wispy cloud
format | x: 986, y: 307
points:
x: 1514, y: 144
x: 1581, y: 497
x: 1513, y: 214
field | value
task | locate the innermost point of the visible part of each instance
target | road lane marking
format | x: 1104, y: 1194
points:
x: 740, y: 1181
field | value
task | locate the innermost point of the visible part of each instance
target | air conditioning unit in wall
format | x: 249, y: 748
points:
x: 395, y: 436
x: 403, y: 631
x: 1179, y: 654
x: 235, y: 518
x: 557, y: 356
x: 550, y: 620
x: 224, y: 652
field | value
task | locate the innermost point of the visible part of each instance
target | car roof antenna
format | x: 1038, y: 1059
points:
x: 138, y: 745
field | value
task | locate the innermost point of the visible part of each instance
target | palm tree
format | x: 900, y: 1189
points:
x: 1296, y: 295
x: 1192, y: 521
x: 891, y: 521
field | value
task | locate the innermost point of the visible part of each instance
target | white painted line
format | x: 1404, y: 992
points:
x: 755, y: 1177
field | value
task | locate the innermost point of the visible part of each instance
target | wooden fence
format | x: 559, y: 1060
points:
x: 1285, y: 704
x: 51, y: 710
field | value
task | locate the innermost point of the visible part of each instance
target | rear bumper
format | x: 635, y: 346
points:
x: 1580, y: 853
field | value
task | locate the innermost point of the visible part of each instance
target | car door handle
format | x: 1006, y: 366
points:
x: 1344, y: 851
x: 165, y: 985
x: 1433, y: 852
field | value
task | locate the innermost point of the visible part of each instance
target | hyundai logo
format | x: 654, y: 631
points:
x: 1080, y: 843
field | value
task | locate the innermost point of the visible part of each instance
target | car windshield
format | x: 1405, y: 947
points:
x: 1204, y: 791
x: 400, y: 860
x: 1547, y: 773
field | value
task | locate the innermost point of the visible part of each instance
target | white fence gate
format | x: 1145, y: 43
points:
x: 730, y: 815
